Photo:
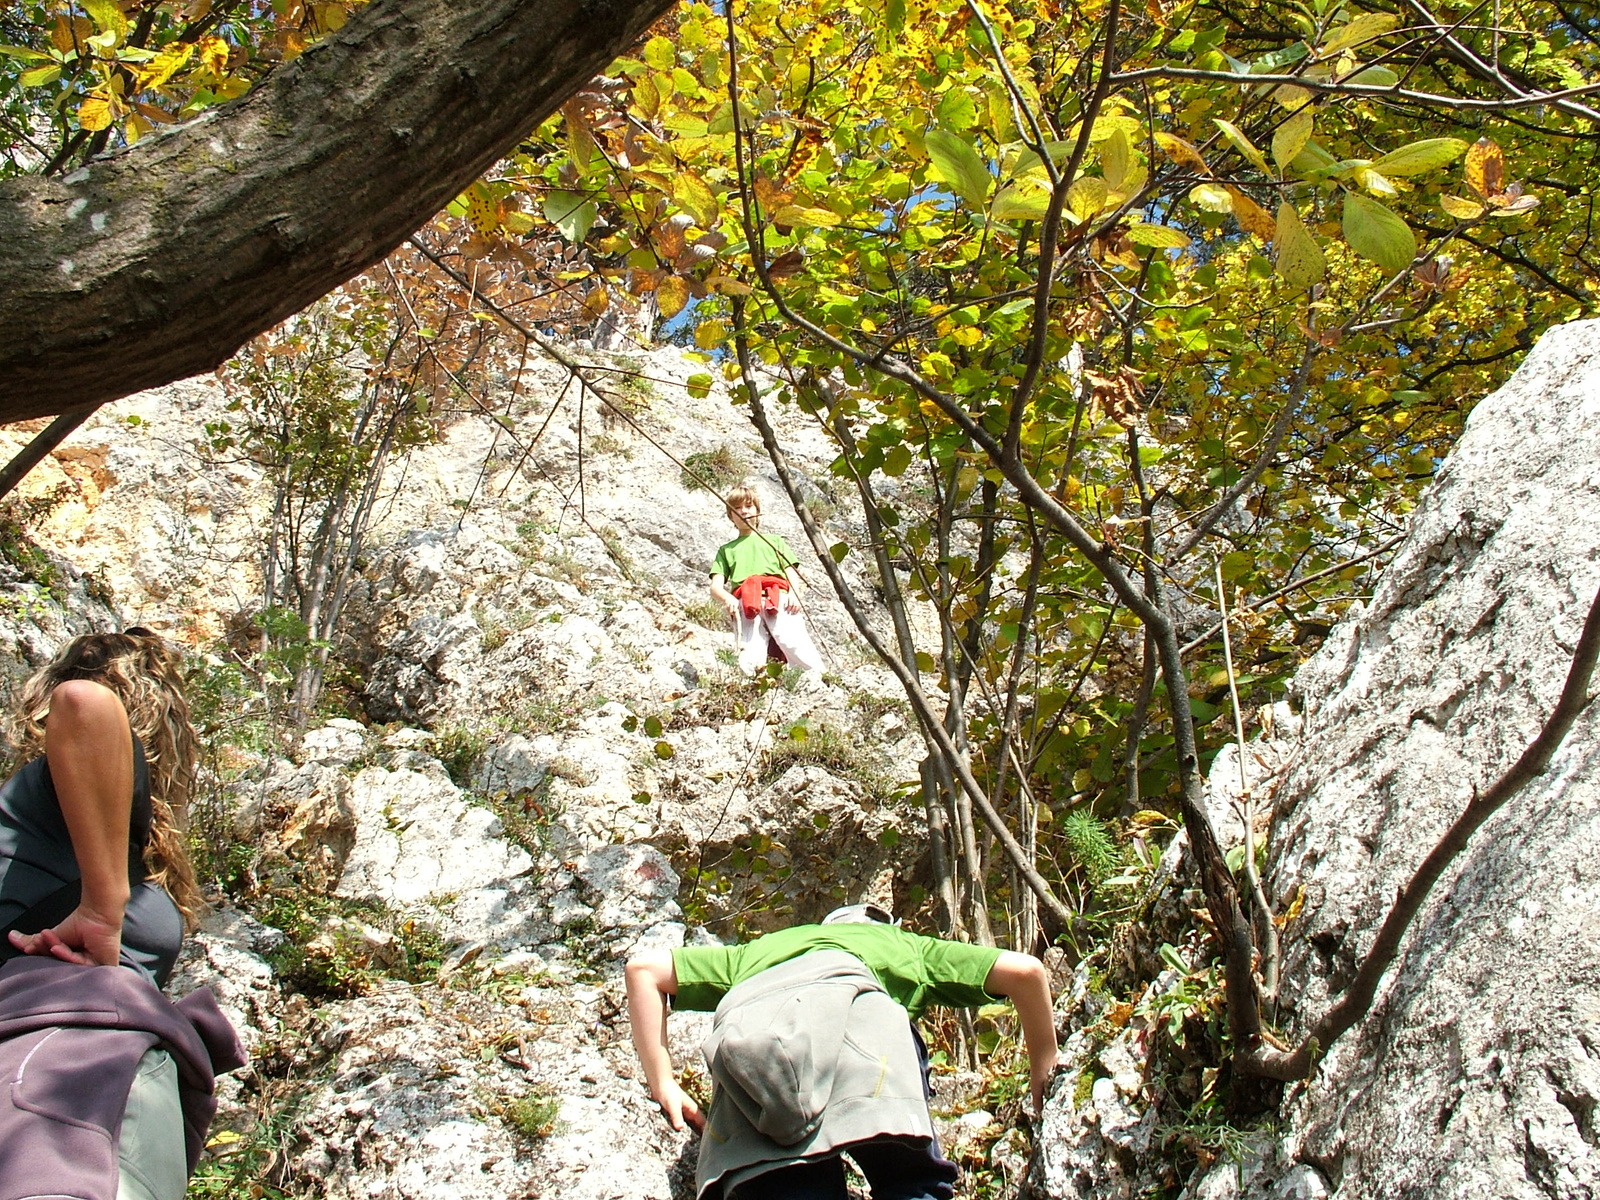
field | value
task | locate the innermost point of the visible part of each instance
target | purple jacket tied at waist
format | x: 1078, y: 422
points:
x: 70, y: 1040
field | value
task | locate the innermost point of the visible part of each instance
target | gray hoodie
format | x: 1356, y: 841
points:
x: 807, y: 1058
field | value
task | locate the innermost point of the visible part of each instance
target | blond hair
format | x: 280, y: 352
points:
x: 143, y: 672
x: 740, y: 496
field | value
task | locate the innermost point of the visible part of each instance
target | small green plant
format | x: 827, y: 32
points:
x: 715, y: 470
x: 325, y: 956
x: 534, y: 1115
x: 18, y: 516
x: 708, y: 614
x: 1092, y: 844
x: 459, y: 747
x: 826, y: 746
x: 606, y: 443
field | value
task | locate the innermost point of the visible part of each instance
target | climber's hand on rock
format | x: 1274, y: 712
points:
x: 679, y: 1107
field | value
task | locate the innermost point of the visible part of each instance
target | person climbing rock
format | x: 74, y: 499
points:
x: 754, y: 578
x: 94, y: 873
x: 813, y: 1053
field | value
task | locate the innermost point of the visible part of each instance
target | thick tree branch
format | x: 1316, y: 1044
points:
x: 159, y: 261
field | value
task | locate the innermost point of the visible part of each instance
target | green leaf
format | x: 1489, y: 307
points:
x: 652, y: 727
x: 1363, y: 27
x: 571, y: 213
x: 838, y: 550
x: 1312, y: 158
x: 38, y: 76
x: 897, y: 460
x: 25, y: 54
x: 1242, y: 144
x: 664, y: 750
x: 959, y: 165
x: 1418, y: 158
x: 1376, y: 233
x: 1291, y: 138
x: 1299, y: 259
x: 1374, y: 77
x: 1159, y: 237
x: 698, y: 385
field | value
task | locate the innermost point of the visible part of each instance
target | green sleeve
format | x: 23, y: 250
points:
x: 719, y: 564
x: 705, y: 973
x: 956, y: 971
x: 785, y: 555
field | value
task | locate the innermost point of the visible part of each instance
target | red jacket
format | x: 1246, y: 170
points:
x: 761, y: 593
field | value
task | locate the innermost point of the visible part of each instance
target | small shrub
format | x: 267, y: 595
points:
x: 708, y: 614
x: 534, y: 1115
x: 826, y: 746
x: 18, y: 516
x: 459, y: 747
x: 606, y: 443
x: 1092, y: 844
x: 325, y: 960
x: 716, y: 470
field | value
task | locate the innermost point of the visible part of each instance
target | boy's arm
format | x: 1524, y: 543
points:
x: 721, y: 594
x: 651, y: 978
x: 791, y: 599
x: 1022, y: 978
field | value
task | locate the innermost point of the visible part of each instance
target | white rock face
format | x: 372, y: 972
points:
x: 1478, y: 1073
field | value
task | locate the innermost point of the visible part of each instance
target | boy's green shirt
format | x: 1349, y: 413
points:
x: 754, y: 553
x: 916, y: 971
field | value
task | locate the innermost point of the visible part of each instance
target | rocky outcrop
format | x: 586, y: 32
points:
x: 1478, y: 1073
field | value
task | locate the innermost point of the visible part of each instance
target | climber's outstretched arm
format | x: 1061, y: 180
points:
x: 651, y: 979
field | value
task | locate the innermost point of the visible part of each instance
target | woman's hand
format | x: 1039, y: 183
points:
x: 86, y: 937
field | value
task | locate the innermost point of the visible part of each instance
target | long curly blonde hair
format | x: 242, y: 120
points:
x: 143, y: 671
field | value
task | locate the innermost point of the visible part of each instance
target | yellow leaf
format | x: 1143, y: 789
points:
x: 1291, y: 138
x: 692, y: 195
x: 1361, y: 28
x: 1461, y: 208
x: 165, y: 65
x: 1486, y: 168
x: 214, y: 54
x: 1292, y: 96
x: 1181, y: 152
x: 1242, y: 144
x: 672, y: 293
x: 94, y: 114
x: 1252, y: 217
x: 1086, y: 196
x: 1116, y: 152
x: 795, y: 215
x: 1212, y: 197
x: 1300, y: 260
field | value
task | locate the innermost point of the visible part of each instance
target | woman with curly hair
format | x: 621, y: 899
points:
x: 93, y: 863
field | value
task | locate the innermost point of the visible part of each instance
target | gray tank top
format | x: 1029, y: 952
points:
x: 36, y: 860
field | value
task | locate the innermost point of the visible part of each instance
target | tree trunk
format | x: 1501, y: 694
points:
x: 159, y: 261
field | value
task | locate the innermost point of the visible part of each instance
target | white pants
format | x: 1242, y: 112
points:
x: 788, y: 629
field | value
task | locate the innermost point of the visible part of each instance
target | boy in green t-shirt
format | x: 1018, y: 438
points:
x: 894, y: 1147
x: 754, y: 578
